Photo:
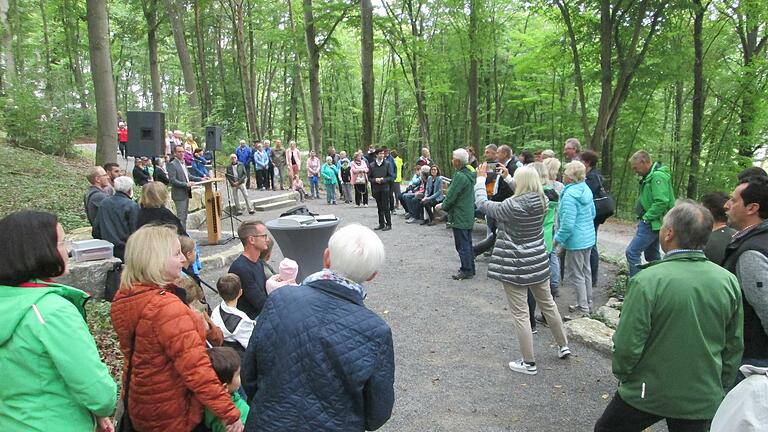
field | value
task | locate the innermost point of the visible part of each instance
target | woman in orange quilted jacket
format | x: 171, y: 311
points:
x: 171, y: 377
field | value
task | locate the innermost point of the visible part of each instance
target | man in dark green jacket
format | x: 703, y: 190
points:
x: 679, y: 341
x: 459, y: 203
x: 655, y: 200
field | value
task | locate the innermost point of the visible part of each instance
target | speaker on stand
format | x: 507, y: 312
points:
x: 213, y: 144
x: 146, y: 134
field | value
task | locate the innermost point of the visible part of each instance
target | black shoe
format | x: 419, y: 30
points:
x: 540, y: 319
x: 425, y: 222
x: 238, y: 214
x: 462, y: 275
x: 378, y: 227
x: 387, y: 228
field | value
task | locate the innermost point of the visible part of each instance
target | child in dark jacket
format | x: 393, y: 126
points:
x: 346, y: 180
x: 226, y: 364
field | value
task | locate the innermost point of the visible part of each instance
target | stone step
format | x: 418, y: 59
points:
x: 275, y: 198
x: 274, y: 205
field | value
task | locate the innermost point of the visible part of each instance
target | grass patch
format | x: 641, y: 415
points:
x: 32, y: 180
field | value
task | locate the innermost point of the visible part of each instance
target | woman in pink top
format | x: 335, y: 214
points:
x: 293, y: 158
x: 313, y: 171
x: 360, y: 179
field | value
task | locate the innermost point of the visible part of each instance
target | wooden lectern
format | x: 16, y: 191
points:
x: 212, y: 210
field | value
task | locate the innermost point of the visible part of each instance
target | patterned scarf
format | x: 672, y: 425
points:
x: 328, y: 275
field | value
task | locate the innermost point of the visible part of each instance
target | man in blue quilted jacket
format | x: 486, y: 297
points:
x: 318, y: 359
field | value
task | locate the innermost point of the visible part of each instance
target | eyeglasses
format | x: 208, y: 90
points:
x: 258, y: 235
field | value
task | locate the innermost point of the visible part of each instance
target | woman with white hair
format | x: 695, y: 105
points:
x: 576, y: 234
x: 321, y: 332
x: 519, y: 259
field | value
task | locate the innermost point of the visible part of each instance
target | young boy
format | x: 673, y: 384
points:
x: 226, y: 364
x: 233, y: 322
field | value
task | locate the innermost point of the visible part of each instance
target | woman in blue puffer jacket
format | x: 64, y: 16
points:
x: 576, y: 234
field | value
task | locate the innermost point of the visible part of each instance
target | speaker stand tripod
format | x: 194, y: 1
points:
x: 228, y: 213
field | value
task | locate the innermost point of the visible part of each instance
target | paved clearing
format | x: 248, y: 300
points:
x: 453, y: 339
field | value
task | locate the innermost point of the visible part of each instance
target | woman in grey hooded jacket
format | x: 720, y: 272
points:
x: 519, y: 259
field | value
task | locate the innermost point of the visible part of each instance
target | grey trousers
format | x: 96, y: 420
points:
x: 577, y: 275
x: 237, y: 191
x: 181, y: 211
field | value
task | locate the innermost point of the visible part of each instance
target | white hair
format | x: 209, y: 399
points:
x: 242, y: 141
x: 124, y: 184
x: 356, y: 252
x: 328, y: 159
x: 462, y: 155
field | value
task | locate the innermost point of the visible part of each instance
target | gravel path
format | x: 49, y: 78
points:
x: 453, y: 339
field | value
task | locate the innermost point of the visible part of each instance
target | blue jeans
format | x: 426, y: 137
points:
x: 330, y: 193
x: 314, y: 187
x: 462, y: 239
x: 554, y: 273
x: 646, y: 241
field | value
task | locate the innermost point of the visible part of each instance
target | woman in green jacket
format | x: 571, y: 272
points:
x: 52, y: 376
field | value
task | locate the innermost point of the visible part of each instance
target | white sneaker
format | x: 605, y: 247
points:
x: 564, y: 352
x: 523, y: 367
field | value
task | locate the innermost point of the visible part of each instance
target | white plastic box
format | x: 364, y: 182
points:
x: 91, y: 250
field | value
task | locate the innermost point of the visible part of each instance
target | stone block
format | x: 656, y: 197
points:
x: 592, y: 333
x: 197, y: 201
x: 89, y: 276
x: 196, y: 220
x: 610, y: 315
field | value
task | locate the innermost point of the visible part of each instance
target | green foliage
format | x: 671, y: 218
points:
x: 30, y: 123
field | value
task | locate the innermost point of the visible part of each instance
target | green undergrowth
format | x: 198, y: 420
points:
x: 97, y: 312
x: 32, y: 180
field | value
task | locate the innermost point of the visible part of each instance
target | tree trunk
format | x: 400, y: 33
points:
x: 366, y: 59
x: 10, y: 61
x: 150, y: 15
x: 698, y: 99
x: 474, y: 122
x: 299, y: 80
x: 207, y: 106
x: 47, y: 43
x: 72, y: 41
x: 579, y: 81
x: 103, y: 87
x: 187, y: 69
x: 313, y: 56
x: 250, y: 109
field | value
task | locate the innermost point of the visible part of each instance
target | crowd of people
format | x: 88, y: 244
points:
x: 694, y: 316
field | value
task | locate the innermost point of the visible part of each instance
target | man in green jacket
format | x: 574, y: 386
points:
x: 459, y: 203
x: 656, y: 198
x: 679, y: 341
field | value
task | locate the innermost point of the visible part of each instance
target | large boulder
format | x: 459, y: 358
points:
x: 197, y: 201
x: 592, y: 333
x: 610, y: 315
x: 89, y: 276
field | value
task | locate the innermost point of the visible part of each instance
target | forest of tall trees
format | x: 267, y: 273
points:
x: 685, y: 80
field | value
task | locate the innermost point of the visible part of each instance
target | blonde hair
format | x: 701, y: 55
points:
x: 575, y: 171
x: 527, y: 180
x: 640, y: 156
x: 542, y: 171
x: 553, y: 167
x: 146, y: 253
x: 153, y: 195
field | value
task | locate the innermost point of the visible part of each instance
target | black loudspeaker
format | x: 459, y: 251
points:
x: 213, y: 138
x: 146, y: 133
